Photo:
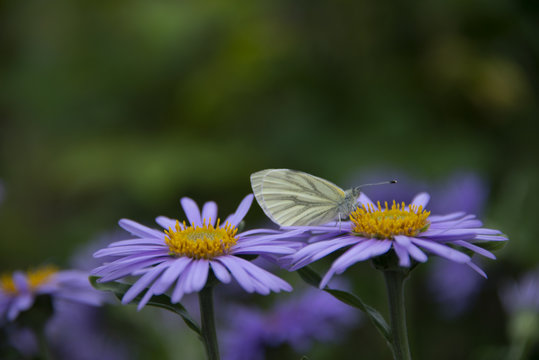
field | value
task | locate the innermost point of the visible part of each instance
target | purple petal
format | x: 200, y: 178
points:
x: 266, y: 278
x: 170, y: 275
x: 139, y: 230
x: 477, y: 269
x: 166, y: 222
x: 209, y: 211
x: 241, y: 276
x: 442, y: 250
x: 191, y: 211
x: 143, y: 282
x: 20, y: 303
x: 178, y: 292
x: 21, y: 281
x: 364, y: 200
x: 196, y: 276
x: 241, y: 211
x: 421, y: 199
x: 476, y: 249
x: 267, y: 249
x: 220, y: 272
x: 402, y: 254
x: 315, y: 253
x: 145, y: 241
x: 452, y: 216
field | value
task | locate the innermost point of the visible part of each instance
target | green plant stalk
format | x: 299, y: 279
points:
x: 209, y: 334
x: 395, y: 290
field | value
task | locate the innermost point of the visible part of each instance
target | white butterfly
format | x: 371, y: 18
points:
x: 294, y: 198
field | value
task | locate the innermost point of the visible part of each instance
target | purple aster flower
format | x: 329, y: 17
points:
x: 315, y: 316
x: 181, y: 256
x: 410, y: 230
x: 454, y: 285
x: 19, y: 290
x: 522, y: 295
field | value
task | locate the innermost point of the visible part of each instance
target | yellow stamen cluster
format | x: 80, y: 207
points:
x: 36, y: 277
x: 384, y: 223
x: 201, y: 242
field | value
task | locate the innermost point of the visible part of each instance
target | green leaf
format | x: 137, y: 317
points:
x: 312, y: 278
x: 491, y: 245
x: 160, y: 301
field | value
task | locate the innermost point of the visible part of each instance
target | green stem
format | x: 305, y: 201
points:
x: 395, y: 291
x: 209, y: 335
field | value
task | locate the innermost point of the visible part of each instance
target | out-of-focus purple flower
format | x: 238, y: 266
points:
x: 461, y: 191
x: 77, y: 332
x: 453, y: 285
x: 522, y: 295
x: 315, y: 316
x: 181, y: 257
x: 408, y: 230
x: 19, y: 290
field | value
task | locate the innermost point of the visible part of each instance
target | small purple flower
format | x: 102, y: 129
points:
x: 181, y: 256
x: 522, y: 295
x: 299, y: 321
x: 408, y: 230
x: 19, y: 290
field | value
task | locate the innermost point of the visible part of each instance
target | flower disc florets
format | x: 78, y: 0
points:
x: 385, y: 223
x: 201, y: 242
x: 36, y: 278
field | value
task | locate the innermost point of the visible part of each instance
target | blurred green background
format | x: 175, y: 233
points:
x: 118, y: 109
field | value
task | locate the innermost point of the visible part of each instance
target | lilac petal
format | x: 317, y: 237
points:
x: 20, y: 303
x: 449, y: 233
x: 268, y: 249
x: 21, y: 282
x: 477, y: 269
x: 167, y: 222
x: 139, y: 230
x: 241, y: 211
x: 209, y: 212
x: 476, y: 249
x: 491, y: 237
x: 178, y: 291
x: 258, y: 231
x: 442, y: 250
x: 143, y: 282
x: 191, y: 210
x: 452, y: 216
x: 266, y: 278
x: 329, y: 247
x: 364, y: 200
x: 170, y: 275
x: 196, y: 275
x: 126, y: 261
x: 413, y: 250
x: 220, y: 272
x: 130, y: 250
x: 145, y: 241
x: 360, y: 252
x: 402, y: 254
x: 241, y: 276
x: 421, y: 199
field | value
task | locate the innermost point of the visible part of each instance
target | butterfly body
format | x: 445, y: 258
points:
x: 294, y: 198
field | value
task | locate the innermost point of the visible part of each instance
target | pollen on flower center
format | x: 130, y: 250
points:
x: 201, y: 242
x: 384, y: 223
x: 35, y: 277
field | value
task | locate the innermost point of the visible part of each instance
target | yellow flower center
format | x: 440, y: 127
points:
x: 36, y: 278
x: 384, y: 223
x: 201, y: 242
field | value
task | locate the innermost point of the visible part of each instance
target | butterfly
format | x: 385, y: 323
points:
x: 294, y: 198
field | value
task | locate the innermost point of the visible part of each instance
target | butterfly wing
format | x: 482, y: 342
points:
x: 290, y: 197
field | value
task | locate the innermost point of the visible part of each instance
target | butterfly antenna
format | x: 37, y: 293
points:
x: 356, y: 189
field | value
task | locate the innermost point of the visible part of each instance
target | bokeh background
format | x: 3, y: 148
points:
x: 117, y: 109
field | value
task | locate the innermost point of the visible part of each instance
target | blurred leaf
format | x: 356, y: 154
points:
x: 160, y: 301
x: 492, y: 245
x: 312, y: 278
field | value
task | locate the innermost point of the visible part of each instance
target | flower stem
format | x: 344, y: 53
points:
x: 395, y: 291
x: 209, y: 335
